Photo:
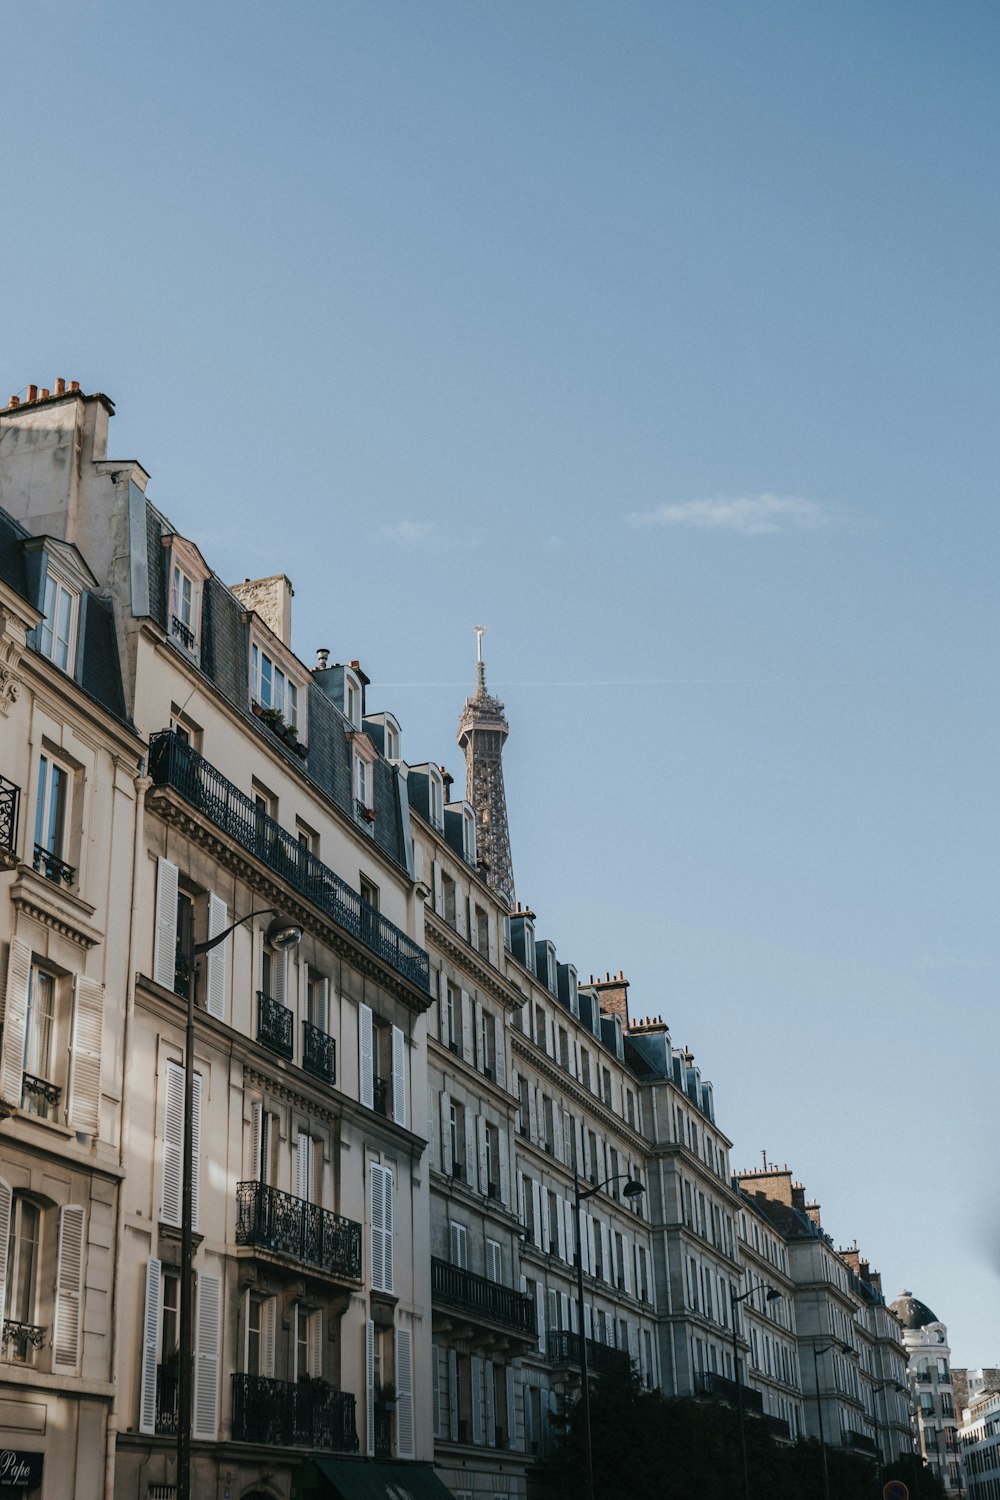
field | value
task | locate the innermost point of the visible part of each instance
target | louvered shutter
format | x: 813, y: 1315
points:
x: 404, y: 1393
x: 540, y: 1316
x: 438, y: 883
x: 504, y: 1168
x: 436, y: 1389
x: 553, y: 1309
x: 560, y: 1229
x: 255, y: 1172
x: 206, y: 1360
x: 387, y: 1198
x: 483, y: 1179
x: 539, y: 1233
x: 470, y: 1149
x: 216, y: 962
x: 564, y: 1318
x: 499, y: 1053
x: 6, y: 1209
x: 442, y: 994
x: 279, y: 975
x: 591, y: 1245
x: 588, y: 1323
x: 370, y: 1388
x: 605, y: 1261
x: 532, y: 1114
x: 489, y: 1376
x: 15, y: 1022
x: 84, y: 1103
x: 632, y: 1333
x: 304, y: 1166
x: 268, y: 1336
x: 196, y: 1082
x: 467, y: 1043
x: 376, y: 1188
x: 314, y: 1351
x: 453, y: 1395
x: 614, y: 1258
x: 512, y: 1437
x: 521, y: 1216
x: 476, y: 1375
x: 69, y: 1289
x: 625, y: 1269
x: 446, y: 1161
x: 152, y: 1313
x: 492, y: 934
x: 366, y: 1057
x: 557, y: 1131
x: 399, y: 1113
x: 165, y: 935
x: 173, y: 1144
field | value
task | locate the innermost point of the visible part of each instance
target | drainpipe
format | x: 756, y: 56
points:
x: 142, y: 784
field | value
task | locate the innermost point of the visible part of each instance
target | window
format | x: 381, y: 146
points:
x: 41, y: 1294
x: 469, y: 835
x: 449, y: 899
x: 40, y: 1095
x: 494, y: 1261
x: 363, y: 774
x: 352, y: 699
x: 308, y: 1349
x: 540, y: 1027
x: 391, y: 739
x: 23, y: 1255
x: 307, y: 837
x: 453, y: 1017
x: 258, y: 1357
x: 57, y: 633
x: 481, y: 931
x: 272, y: 688
x: 184, y: 607
x: 458, y: 1237
x: 487, y: 1044
x: 52, y: 820
x: 436, y: 799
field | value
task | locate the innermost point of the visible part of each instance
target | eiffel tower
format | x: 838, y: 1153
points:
x: 482, y: 731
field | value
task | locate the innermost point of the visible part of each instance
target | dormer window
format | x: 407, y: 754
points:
x: 436, y: 789
x: 187, y: 574
x: 391, y: 739
x: 469, y: 835
x: 57, y: 632
x: 182, y: 610
x: 364, y: 755
x: 352, y: 699
x: 272, y: 687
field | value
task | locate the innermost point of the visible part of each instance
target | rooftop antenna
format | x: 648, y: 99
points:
x: 480, y: 631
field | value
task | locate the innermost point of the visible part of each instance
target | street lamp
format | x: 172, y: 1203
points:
x: 281, y: 934
x: 632, y: 1189
x: 817, y: 1355
x: 897, y: 1389
x: 735, y: 1298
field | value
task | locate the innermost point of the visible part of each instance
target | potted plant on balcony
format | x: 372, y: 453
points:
x: 385, y: 1394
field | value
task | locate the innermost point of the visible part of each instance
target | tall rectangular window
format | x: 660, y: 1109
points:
x: 56, y: 635
x: 52, y: 819
x: 272, y: 688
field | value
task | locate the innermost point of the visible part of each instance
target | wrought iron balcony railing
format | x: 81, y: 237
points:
x: 710, y: 1384
x: 777, y: 1427
x: 319, y: 1053
x: 52, y: 867
x: 859, y: 1440
x: 564, y: 1349
x: 38, y: 1096
x: 182, y: 632
x: 20, y: 1340
x: 166, y: 1400
x: 280, y: 1414
x: 480, y: 1297
x: 273, y: 1220
x: 381, y: 1092
x: 10, y: 802
x: 275, y: 1025
x: 175, y: 764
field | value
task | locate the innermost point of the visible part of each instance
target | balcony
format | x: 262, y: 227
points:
x: 777, y: 1427
x: 275, y: 1025
x: 860, y: 1441
x: 10, y: 802
x: 176, y: 765
x: 708, y: 1383
x: 564, y: 1349
x: 38, y: 1096
x: 182, y: 633
x: 19, y: 1341
x: 280, y: 1414
x: 272, y: 1220
x: 380, y: 1090
x: 52, y: 867
x: 481, y: 1298
x: 319, y: 1053
x: 167, y: 1385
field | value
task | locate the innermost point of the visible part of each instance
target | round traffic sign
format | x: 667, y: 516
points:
x: 896, y: 1490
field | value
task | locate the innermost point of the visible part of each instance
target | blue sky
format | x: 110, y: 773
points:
x: 662, y: 340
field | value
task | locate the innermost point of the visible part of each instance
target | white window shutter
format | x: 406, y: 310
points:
x: 538, y: 1234
x: 561, y: 1228
x: 438, y: 883
x: 614, y: 1258
x: 442, y: 994
x: 605, y: 1262
x: 314, y: 1352
x: 521, y: 1215
x: 625, y: 1270
x: 399, y: 1112
x: 370, y: 1388
x: 150, y: 1348
x: 446, y: 1160
x: 15, y: 1022
x: 512, y: 1441
x: 557, y: 1131
x: 206, y: 1361
x: 255, y: 1171
x: 268, y: 1336
x: 387, y: 1180
x: 304, y: 1165
x: 467, y: 1042
x: 481, y: 1154
x: 504, y: 1168
x: 6, y: 1208
x: 492, y: 935
x: 470, y: 1148
x: 366, y: 1057
x: 436, y: 1390
x: 216, y: 962
x: 591, y: 1245
x: 476, y: 1369
x: 553, y: 1308
x: 532, y: 1114
x: 376, y: 1194
x: 173, y: 1144
x: 69, y: 1289
x: 279, y: 975
x: 540, y: 1316
x: 404, y: 1393
x: 165, y: 935
x: 499, y: 1057
x: 84, y: 1103
x: 453, y: 1395
x: 196, y: 1151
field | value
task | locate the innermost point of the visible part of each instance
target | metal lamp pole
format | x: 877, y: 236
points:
x: 632, y: 1189
x: 817, y: 1354
x: 883, y: 1386
x: 734, y: 1301
x: 281, y: 934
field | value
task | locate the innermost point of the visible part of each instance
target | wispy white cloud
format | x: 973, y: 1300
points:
x: 424, y: 535
x: 749, y: 515
x: 408, y: 533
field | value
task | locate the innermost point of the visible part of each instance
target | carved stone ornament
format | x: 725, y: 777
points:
x: 11, y: 646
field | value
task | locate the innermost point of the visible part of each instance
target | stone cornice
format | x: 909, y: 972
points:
x: 573, y: 1092
x: 462, y: 953
x: 44, y: 903
x: 175, y: 811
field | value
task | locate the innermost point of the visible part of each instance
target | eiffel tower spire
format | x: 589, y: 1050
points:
x: 482, y: 731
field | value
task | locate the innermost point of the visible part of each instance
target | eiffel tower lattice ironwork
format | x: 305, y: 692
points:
x: 482, y: 731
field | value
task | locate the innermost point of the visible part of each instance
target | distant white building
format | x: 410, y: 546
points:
x: 979, y: 1434
x: 929, y: 1374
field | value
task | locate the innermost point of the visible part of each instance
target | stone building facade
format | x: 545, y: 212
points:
x: 929, y: 1376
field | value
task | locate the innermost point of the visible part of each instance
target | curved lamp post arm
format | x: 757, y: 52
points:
x: 281, y: 933
x: 632, y: 1188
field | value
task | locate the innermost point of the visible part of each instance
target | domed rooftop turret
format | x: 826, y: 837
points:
x: 911, y: 1312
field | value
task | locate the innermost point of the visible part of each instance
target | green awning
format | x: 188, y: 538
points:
x: 325, y: 1478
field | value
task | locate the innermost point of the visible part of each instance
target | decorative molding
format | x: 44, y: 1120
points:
x: 462, y: 953
x: 33, y: 904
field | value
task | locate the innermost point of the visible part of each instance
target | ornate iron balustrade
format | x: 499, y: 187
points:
x: 173, y: 763
x: 564, y: 1349
x: 18, y: 1338
x: 383, y: 1431
x: 860, y: 1440
x: 381, y: 1096
x: 319, y: 1053
x: 182, y: 973
x: 711, y: 1384
x: 167, y: 1384
x: 38, y: 1096
x: 478, y: 1295
x: 273, y: 1220
x: 306, y: 1415
x: 777, y: 1427
x: 10, y: 802
x: 52, y: 867
x: 275, y: 1025
x: 183, y: 632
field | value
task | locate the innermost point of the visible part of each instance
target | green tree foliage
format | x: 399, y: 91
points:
x: 645, y: 1445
